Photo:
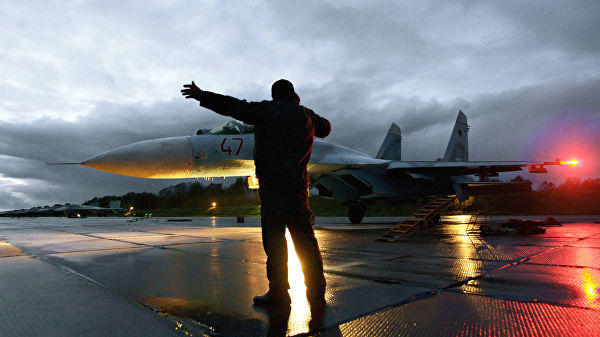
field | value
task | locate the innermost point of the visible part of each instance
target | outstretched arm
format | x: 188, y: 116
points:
x: 223, y: 105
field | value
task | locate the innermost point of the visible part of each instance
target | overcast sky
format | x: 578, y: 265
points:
x: 83, y: 77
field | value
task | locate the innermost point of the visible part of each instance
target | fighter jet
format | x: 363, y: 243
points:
x: 336, y: 171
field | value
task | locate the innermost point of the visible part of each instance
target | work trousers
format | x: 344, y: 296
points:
x: 281, y: 209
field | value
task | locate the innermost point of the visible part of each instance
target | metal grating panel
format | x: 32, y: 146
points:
x: 570, y: 256
x: 452, y: 314
x: 570, y: 286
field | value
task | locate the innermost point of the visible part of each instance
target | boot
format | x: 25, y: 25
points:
x: 273, y: 297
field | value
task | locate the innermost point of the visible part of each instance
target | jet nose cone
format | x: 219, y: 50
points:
x: 157, y: 158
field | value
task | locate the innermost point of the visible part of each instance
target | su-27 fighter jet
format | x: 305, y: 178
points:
x: 336, y: 172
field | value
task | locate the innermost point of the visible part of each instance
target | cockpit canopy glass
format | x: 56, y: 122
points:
x: 232, y: 128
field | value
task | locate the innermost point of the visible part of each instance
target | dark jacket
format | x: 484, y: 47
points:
x: 284, y: 133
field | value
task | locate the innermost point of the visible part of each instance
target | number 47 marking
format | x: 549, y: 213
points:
x: 228, y: 149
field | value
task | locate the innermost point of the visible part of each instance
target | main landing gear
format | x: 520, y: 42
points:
x: 356, y: 211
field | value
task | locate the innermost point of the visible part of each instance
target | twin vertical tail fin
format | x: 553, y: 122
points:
x: 391, y: 148
x: 458, y: 146
x: 457, y: 150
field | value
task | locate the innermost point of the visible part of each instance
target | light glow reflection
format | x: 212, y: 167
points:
x: 468, y: 263
x: 590, y: 288
x: 300, y: 313
x: 467, y: 244
x: 253, y: 182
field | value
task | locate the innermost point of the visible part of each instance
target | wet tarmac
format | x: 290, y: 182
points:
x: 153, y: 277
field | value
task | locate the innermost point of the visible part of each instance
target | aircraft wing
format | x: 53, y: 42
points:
x: 470, y: 167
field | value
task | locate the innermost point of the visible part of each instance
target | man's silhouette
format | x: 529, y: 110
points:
x: 284, y: 132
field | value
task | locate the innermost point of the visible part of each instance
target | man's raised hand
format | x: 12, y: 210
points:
x: 191, y: 91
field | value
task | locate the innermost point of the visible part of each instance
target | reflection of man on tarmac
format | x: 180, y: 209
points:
x: 284, y: 132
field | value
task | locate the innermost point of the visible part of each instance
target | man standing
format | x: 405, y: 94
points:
x: 284, y: 132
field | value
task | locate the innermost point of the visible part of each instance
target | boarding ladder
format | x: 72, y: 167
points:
x: 424, y: 217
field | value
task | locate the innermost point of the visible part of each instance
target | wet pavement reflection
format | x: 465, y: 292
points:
x: 590, y: 287
x: 201, y: 275
x: 300, y: 311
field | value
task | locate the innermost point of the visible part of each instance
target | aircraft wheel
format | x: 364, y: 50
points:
x: 356, y: 212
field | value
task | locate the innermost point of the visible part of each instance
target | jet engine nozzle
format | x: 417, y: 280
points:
x: 158, y: 158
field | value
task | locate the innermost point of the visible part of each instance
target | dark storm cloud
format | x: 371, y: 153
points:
x: 568, y: 26
x: 445, y: 50
x: 361, y: 121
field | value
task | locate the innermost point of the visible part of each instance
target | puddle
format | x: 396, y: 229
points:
x: 210, y: 319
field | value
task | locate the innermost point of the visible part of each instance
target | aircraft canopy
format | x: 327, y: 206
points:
x: 231, y: 128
